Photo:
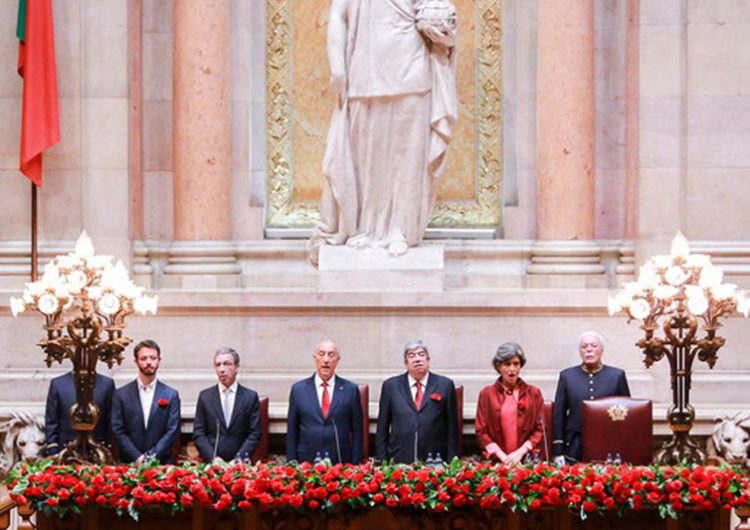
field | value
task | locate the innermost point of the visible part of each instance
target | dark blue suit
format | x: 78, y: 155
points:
x: 308, y: 434
x: 61, y: 397
x: 240, y: 438
x: 433, y: 428
x: 130, y: 434
x: 574, y: 386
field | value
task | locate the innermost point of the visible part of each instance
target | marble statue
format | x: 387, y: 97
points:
x: 730, y: 438
x: 393, y: 68
x: 22, y: 438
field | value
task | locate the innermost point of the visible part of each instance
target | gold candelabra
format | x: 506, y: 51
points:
x: 84, y: 299
x: 682, y: 295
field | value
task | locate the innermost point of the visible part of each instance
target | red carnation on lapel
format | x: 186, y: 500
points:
x: 163, y: 402
x: 436, y: 397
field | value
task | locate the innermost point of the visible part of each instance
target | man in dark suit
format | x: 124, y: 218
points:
x: 61, y: 397
x: 146, y: 412
x: 589, y: 380
x: 325, y: 415
x: 227, y: 416
x: 418, y: 415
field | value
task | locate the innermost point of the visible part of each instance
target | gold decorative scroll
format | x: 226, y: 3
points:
x: 299, y: 106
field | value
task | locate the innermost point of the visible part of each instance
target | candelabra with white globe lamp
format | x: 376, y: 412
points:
x: 679, y: 298
x: 85, y: 299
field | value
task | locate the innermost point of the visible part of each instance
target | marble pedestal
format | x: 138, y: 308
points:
x: 344, y: 269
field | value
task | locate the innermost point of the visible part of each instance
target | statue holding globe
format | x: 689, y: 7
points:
x: 393, y: 68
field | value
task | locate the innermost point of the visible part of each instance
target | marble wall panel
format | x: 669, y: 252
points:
x: 60, y: 205
x: 661, y: 60
x: 15, y: 215
x: 718, y: 63
x: 105, y: 133
x: 10, y: 133
x: 718, y: 11
x: 105, y: 54
x: 157, y: 66
x: 157, y: 205
x: 157, y: 135
x: 718, y: 134
x: 661, y: 132
x: 10, y: 85
x: 68, y: 50
x: 717, y: 203
x: 662, y: 12
x: 157, y: 16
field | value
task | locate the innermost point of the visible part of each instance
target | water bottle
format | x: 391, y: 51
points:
x: 608, y: 461
x: 317, y: 459
x: 618, y: 459
x: 430, y: 460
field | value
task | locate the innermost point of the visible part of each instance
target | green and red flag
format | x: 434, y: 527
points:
x: 40, y: 118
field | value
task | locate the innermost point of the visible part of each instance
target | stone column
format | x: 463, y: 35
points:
x: 202, y: 254
x: 565, y: 253
x: 626, y: 267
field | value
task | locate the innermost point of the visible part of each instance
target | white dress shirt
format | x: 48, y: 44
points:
x: 146, y: 395
x: 228, y: 395
x: 319, y: 388
x: 413, y: 385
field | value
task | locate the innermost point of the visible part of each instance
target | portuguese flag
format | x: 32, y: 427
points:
x: 40, y: 121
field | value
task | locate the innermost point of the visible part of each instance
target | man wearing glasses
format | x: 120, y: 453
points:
x: 325, y: 415
x: 418, y: 418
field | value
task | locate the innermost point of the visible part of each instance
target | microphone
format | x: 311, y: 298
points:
x: 216, y: 442
x: 544, y: 437
x: 336, y: 439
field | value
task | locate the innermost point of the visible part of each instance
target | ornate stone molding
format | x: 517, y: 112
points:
x: 484, y: 210
x: 565, y: 258
x: 202, y: 264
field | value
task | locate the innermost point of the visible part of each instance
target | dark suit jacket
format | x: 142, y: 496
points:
x: 308, y: 434
x: 130, y: 434
x: 436, y: 421
x: 236, y: 440
x: 573, y: 387
x: 61, y: 397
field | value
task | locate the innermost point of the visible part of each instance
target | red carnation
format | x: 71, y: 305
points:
x: 436, y: 397
x: 163, y: 402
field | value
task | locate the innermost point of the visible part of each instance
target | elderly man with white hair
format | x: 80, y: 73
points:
x: 589, y: 380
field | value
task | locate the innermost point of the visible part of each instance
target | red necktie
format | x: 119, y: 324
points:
x: 418, y: 397
x: 325, y: 402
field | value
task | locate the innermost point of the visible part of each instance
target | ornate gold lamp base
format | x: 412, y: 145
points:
x: 681, y: 447
x: 85, y: 450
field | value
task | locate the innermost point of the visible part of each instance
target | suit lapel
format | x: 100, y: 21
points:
x: 237, y: 402
x: 158, y: 394
x: 136, y: 397
x: 312, y: 397
x: 429, y: 390
x: 406, y: 391
x: 338, y: 396
x: 218, y: 409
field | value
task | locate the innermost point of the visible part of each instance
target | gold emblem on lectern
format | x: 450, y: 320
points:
x: 617, y: 412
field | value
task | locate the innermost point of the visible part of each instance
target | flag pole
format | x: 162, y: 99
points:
x: 34, y: 274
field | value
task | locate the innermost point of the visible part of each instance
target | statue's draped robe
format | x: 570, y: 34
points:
x: 386, y: 145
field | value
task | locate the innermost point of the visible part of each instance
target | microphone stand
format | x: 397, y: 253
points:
x: 544, y: 437
x: 216, y: 442
x: 336, y: 439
